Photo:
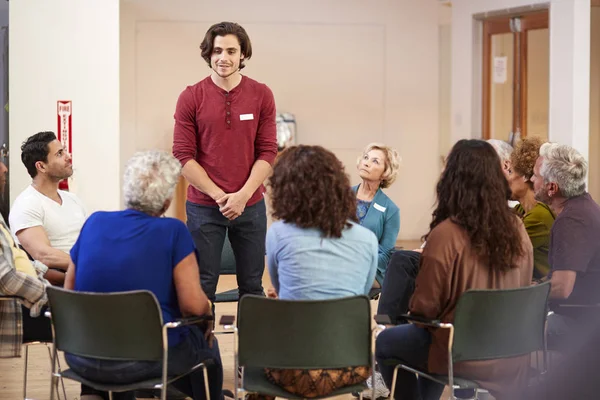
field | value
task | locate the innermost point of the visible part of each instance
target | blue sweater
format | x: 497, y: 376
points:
x: 306, y: 266
x: 383, y: 219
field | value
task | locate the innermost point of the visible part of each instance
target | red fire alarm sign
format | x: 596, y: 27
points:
x: 64, y: 113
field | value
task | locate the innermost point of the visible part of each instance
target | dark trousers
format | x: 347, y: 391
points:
x: 399, y: 284
x: 37, y: 329
x: 182, y: 357
x: 247, y: 236
x: 409, y: 344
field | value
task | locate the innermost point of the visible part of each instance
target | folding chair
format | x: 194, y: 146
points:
x: 125, y: 326
x: 300, y: 335
x: 26, y: 356
x: 488, y: 324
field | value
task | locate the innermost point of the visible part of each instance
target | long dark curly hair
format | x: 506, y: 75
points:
x: 473, y: 193
x: 310, y: 188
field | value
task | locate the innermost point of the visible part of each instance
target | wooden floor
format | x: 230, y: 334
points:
x: 38, y: 381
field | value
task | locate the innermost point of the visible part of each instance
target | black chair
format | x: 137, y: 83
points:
x: 488, y: 324
x: 26, y: 355
x: 300, y: 335
x: 114, y: 326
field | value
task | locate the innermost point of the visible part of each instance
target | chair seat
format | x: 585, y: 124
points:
x: 458, y: 381
x: 228, y: 296
x: 146, y: 384
x: 256, y: 381
x: 463, y: 383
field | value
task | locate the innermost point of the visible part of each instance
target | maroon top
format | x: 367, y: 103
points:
x: 226, y: 133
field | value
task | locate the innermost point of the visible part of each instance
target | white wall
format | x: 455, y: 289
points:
x: 352, y: 71
x: 569, y: 66
x: 594, y: 171
x: 445, y: 80
x: 68, y: 50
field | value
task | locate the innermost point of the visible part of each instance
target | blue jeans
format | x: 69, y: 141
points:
x: 247, y: 236
x: 410, y: 344
x: 192, y: 350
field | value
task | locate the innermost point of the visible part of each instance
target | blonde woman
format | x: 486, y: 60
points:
x: 378, y: 167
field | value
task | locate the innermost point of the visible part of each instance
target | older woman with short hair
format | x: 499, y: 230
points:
x: 378, y: 168
x: 504, y: 151
x: 136, y: 249
x: 537, y: 216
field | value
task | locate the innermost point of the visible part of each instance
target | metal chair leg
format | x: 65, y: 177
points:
x: 25, y: 373
x: 394, y: 378
x: 206, y: 387
x: 62, y: 382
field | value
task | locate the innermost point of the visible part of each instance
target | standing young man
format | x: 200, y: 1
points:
x: 225, y: 139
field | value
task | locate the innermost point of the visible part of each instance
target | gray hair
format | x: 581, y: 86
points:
x: 564, y: 166
x: 503, y: 149
x: 149, y: 181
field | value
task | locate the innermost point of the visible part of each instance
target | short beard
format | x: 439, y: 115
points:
x: 215, y: 69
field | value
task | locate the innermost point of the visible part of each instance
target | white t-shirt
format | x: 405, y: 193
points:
x: 62, y: 222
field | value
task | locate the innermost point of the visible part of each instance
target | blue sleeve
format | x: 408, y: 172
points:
x: 183, y: 244
x: 391, y: 227
x: 373, y: 267
x: 272, y: 256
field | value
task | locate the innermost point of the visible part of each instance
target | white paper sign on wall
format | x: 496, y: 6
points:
x: 500, y: 69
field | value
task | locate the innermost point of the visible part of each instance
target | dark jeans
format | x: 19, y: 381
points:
x: 182, y: 357
x: 36, y: 329
x: 398, y: 288
x: 410, y: 344
x: 247, y: 236
x: 399, y: 284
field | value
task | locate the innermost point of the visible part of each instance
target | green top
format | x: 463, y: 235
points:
x: 538, y: 222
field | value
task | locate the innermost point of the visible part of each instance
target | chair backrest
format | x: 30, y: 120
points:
x: 110, y: 326
x: 493, y: 324
x: 304, y: 334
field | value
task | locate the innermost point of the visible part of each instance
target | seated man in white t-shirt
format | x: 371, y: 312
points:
x: 46, y: 220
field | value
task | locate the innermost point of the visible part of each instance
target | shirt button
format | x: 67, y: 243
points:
x: 228, y: 121
x: 228, y: 113
x: 228, y: 103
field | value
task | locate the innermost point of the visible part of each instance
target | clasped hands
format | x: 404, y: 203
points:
x: 232, y: 205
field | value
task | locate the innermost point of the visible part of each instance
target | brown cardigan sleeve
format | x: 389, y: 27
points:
x: 434, y: 281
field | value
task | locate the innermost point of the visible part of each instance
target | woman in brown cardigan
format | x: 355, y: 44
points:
x: 474, y: 242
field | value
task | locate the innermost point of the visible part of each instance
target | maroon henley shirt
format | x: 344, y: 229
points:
x: 226, y: 133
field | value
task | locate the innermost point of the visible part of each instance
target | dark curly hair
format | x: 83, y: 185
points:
x: 310, y: 188
x: 524, y: 156
x: 472, y: 192
x: 224, y: 29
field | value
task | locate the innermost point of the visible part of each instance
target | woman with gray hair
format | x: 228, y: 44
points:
x: 135, y: 249
x: 504, y: 151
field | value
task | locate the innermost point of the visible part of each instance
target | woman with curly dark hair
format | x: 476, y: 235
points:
x: 475, y: 242
x: 537, y: 216
x: 316, y: 250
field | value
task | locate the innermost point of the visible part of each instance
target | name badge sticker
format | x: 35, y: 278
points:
x: 378, y: 207
x: 246, y: 117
